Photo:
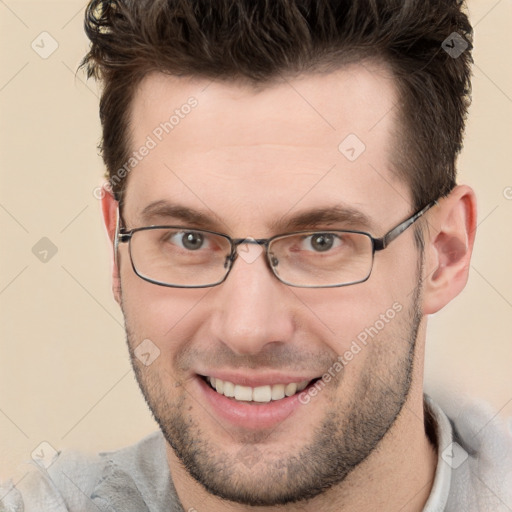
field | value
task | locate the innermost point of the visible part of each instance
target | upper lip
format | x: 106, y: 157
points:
x: 255, y: 380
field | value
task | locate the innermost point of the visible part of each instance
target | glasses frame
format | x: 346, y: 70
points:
x: 123, y: 235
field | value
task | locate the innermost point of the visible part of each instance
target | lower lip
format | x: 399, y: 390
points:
x: 250, y: 415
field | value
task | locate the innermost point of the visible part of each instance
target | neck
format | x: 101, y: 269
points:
x: 398, y: 475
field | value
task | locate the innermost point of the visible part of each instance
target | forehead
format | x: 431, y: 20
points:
x: 233, y: 151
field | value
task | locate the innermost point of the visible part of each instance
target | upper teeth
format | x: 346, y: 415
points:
x: 258, y: 394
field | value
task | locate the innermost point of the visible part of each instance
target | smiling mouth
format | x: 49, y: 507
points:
x: 260, y: 394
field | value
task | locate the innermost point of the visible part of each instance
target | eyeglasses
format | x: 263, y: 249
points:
x: 184, y: 257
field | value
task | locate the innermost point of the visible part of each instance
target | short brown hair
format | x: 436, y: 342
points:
x: 259, y: 40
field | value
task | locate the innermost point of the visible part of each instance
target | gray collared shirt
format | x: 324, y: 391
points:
x: 473, y: 474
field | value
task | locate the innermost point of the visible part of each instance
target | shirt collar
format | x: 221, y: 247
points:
x: 443, y: 434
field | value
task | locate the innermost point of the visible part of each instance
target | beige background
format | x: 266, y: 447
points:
x: 64, y: 371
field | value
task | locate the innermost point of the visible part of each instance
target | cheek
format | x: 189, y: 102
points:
x: 358, y: 313
x: 166, y: 316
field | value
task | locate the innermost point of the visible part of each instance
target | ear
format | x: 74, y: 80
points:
x: 448, y: 249
x: 109, y: 207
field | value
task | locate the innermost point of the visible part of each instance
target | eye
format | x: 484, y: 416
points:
x: 190, y: 240
x: 323, y: 242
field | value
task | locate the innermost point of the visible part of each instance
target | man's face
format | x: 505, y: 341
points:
x: 252, y: 161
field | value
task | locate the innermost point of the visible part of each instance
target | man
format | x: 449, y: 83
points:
x: 284, y: 215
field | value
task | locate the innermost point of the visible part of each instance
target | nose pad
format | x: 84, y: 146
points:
x: 250, y: 250
x: 228, y: 262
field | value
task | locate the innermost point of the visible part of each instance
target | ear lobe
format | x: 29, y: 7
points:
x: 109, y: 208
x: 449, y: 247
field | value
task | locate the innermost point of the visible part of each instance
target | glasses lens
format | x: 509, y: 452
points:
x: 317, y: 259
x: 179, y: 257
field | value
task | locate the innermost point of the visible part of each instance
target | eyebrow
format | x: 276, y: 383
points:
x: 341, y: 216
x: 181, y: 213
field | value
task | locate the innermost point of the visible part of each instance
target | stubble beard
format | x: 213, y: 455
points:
x: 342, y: 440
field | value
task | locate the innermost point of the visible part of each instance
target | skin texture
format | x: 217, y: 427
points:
x: 249, y: 160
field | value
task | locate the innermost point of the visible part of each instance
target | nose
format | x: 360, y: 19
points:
x: 252, y: 307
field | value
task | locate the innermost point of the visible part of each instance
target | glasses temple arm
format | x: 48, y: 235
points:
x: 382, y: 243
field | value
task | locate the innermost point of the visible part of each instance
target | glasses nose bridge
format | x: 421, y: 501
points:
x: 237, y: 242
